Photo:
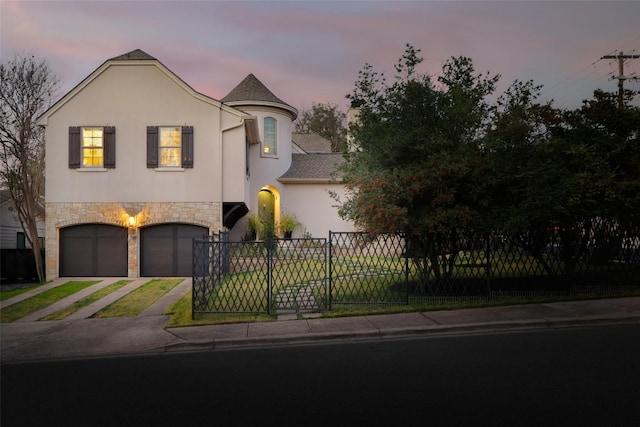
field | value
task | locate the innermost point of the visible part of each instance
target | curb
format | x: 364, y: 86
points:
x: 395, y: 333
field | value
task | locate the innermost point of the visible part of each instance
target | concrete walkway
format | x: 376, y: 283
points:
x: 80, y: 336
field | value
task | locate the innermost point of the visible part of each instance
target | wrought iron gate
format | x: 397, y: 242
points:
x: 273, y: 276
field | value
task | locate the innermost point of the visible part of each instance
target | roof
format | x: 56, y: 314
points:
x: 134, y: 55
x: 314, y: 167
x: 311, y: 142
x: 5, y: 195
x: 251, y: 91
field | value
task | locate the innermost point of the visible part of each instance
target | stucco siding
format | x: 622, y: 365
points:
x: 233, y: 165
x: 314, y: 207
x: 265, y: 170
x: 132, y: 98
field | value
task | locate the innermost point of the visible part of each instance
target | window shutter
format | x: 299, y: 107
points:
x: 74, y: 147
x: 187, y: 146
x: 152, y: 146
x: 109, y: 160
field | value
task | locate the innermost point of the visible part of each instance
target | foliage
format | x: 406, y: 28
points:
x: 26, y: 89
x: 254, y: 226
x: 289, y: 222
x: 431, y: 158
x: 268, y: 235
x: 325, y: 120
x: 412, y: 166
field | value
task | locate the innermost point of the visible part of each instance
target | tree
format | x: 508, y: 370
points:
x: 564, y: 176
x: 327, y: 121
x: 412, y: 163
x: 26, y: 90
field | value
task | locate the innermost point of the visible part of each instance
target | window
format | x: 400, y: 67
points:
x: 270, y: 140
x: 21, y: 242
x: 169, y: 146
x: 92, y: 147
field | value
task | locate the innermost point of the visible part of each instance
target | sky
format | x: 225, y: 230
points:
x: 310, y: 52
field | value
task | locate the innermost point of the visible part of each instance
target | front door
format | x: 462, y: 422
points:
x: 266, y: 203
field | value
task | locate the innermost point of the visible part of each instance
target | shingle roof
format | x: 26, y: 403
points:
x: 311, y: 142
x: 137, y: 54
x: 313, y: 167
x: 5, y: 195
x: 250, y: 91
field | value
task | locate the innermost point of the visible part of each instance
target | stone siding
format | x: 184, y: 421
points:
x: 60, y: 215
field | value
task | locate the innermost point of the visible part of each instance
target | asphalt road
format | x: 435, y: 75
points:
x: 566, y: 377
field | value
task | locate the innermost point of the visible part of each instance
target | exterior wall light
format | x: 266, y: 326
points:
x: 132, y: 221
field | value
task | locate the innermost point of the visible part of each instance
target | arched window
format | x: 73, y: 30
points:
x: 270, y: 140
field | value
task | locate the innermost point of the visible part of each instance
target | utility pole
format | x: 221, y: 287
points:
x: 621, y: 77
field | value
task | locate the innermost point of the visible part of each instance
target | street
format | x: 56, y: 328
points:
x: 574, y: 376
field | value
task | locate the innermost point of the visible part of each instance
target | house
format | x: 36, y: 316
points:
x: 139, y: 163
x: 12, y: 235
x: 17, y: 263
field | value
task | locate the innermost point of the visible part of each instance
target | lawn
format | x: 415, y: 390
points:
x: 180, y: 313
x: 40, y: 301
x: 4, y: 295
x: 140, y: 299
x: 83, y: 302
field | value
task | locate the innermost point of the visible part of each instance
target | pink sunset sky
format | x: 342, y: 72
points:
x: 311, y: 51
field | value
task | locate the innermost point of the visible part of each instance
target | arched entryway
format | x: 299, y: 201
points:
x: 266, y: 203
x: 269, y: 206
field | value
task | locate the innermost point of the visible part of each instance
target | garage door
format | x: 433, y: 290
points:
x: 93, y: 250
x: 166, y: 249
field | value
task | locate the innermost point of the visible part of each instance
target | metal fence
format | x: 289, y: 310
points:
x: 274, y: 276
x: 357, y: 269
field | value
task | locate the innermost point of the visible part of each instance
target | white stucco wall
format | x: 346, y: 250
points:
x: 314, y: 207
x: 265, y: 170
x: 234, y: 165
x: 131, y: 97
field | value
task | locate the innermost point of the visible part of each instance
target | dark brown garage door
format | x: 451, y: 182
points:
x: 93, y: 250
x: 166, y: 249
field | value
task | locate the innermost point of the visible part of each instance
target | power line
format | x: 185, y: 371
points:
x: 621, y: 77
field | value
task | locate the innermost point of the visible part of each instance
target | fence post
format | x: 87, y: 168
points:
x: 269, y: 242
x: 406, y: 273
x: 330, y: 268
x: 488, y: 271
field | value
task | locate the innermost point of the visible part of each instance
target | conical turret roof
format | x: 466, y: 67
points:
x: 252, y: 91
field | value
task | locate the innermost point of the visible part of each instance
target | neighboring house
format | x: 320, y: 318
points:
x: 12, y: 235
x: 139, y: 163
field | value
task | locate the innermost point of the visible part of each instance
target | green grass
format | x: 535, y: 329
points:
x: 181, y: 309
x: 4, y: 295
x: 180, y: 313
x: 90, y: 299
x: 40, y: 301
x: 137, y: 301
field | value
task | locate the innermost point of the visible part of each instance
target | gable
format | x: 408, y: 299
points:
x: 126, y: 68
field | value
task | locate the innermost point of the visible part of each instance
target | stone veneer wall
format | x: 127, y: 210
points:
x: 60, y: 215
